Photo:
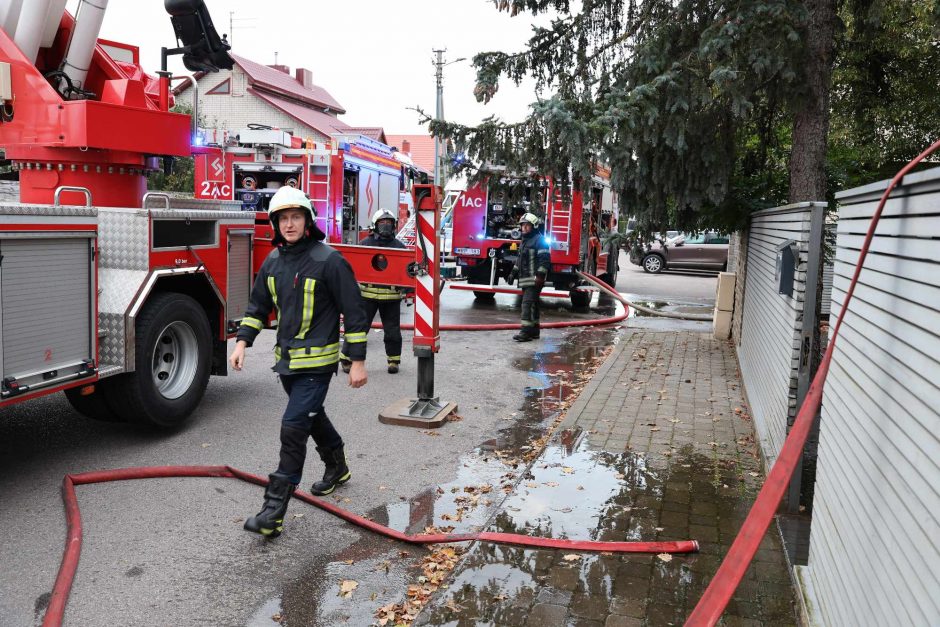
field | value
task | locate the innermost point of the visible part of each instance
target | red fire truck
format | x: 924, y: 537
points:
x: 486, y: 231
x: 122, y: 299
x: 348, y: 178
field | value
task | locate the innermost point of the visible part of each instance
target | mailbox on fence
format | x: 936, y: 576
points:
x: 788, y: 254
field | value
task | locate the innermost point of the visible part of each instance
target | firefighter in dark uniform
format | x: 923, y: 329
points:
x: 309, y: 284
x: 384, y: 299
x: 532, y: 266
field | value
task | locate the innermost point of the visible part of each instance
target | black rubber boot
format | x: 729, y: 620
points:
x: 336, y: 473
x: 269, y: 522
x: 393, y: 367
x: 522, y: 336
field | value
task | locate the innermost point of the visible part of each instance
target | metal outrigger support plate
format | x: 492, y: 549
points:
x: 421, y: 413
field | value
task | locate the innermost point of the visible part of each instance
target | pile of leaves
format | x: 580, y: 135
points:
x: 436, y: 567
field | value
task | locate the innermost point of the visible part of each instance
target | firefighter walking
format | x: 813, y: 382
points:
x: 383, y: 299
x: 532, y: 266
x: 309, y: 284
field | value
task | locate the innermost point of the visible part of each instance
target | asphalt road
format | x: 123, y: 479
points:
x: 172, y: 551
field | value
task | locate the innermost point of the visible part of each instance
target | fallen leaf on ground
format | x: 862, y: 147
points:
x: 551, y: 484
x: 572, y: 557
x: 567, y: 470
x: 666, y: 557
x: 346, y: 587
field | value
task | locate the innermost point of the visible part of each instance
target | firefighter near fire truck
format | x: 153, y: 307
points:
x: 308, y: 284
x: 532, y: 266
x: 384, y: 299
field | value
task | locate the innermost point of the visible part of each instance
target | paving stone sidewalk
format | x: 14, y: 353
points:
x: 658, y: 446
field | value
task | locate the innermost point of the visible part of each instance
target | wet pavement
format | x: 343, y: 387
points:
x: 483, y: 471
x: 658, y: 446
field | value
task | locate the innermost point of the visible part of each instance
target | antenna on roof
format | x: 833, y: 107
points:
x: 232, y: 24
x: 275, y: 57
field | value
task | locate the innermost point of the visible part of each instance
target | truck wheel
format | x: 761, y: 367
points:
x: 653, y: 264
x: 174, y: 347
x: 94, y: 405
x: 579, y: 299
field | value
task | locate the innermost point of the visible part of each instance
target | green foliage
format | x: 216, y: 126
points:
x: 690, y: 102
x: 885, y: 84
x: 181, y: 179
x: 658, y: 90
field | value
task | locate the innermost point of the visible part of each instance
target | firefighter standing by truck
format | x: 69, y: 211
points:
x: 385, y: 300
x: 532, y: 266
x: 309, y: 284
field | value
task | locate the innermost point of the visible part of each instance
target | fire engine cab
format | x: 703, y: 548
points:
x: 486, y: 230
x: 347, y: 178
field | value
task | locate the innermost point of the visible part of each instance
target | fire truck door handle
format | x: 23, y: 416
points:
x: 72, y: 188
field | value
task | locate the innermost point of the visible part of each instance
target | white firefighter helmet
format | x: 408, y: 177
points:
x: 383, y: 214
x: 287, y: 197
x: 530, y: 218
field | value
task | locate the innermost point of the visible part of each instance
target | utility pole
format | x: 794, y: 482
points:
x: 439, y: 148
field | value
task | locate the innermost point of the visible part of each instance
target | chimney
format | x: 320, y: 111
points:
x: 406, y: 147
x: 304, y: 77
x: 281, y: 68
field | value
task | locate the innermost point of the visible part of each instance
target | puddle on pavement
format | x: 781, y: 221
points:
x: 577, y: 493
x: 557, y: 372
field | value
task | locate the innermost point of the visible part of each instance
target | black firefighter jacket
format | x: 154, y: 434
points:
x: 310, y: 285
x: 534, y: 258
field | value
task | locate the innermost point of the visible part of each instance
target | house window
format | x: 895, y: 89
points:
x: 223, y: 88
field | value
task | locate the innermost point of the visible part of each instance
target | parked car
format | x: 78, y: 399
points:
x: 702, y: 251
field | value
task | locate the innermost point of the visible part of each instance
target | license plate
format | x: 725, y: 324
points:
x: 467, y: 251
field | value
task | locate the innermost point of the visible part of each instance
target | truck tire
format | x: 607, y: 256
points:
x: 94, y: 405
x: 172, y: 363
x: 579, y: 299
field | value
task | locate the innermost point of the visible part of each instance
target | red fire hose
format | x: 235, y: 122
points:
x: 732, y: 569
x: 73, y: 544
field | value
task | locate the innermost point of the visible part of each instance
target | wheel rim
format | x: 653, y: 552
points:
x: 653, y: 264
x: 175, y: 359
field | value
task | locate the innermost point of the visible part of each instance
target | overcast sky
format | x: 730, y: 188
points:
x: 373, y: 56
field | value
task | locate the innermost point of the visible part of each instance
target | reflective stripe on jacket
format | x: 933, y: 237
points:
x: 309, y: 285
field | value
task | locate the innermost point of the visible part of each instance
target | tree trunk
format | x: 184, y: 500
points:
x: 811, y: 121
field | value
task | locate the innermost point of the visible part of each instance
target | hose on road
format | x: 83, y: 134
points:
x: 652, y: 312
x: 73, y: 544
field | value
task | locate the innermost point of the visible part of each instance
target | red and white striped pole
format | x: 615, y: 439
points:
x: 427, y: 339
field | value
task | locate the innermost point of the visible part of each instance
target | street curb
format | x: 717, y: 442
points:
x: 576, y: 410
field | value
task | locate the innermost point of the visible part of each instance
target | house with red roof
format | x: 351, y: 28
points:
x: 252, y: 93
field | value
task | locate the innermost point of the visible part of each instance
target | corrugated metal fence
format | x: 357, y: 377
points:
x: 874, y: 555
x: 776, y: 339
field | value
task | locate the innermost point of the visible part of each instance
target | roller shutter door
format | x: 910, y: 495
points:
x: 45, y: 297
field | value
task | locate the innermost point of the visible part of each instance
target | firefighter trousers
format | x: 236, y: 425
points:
x: 530, y: 310
x: 390, y: 313
x: 304, y: 417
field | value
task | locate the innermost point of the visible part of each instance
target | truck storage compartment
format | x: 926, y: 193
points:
x: 47, y: 309
x: 239, y: 275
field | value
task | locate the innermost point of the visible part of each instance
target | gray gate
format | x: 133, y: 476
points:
x: 874, y: 555
x: 777, y: 340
